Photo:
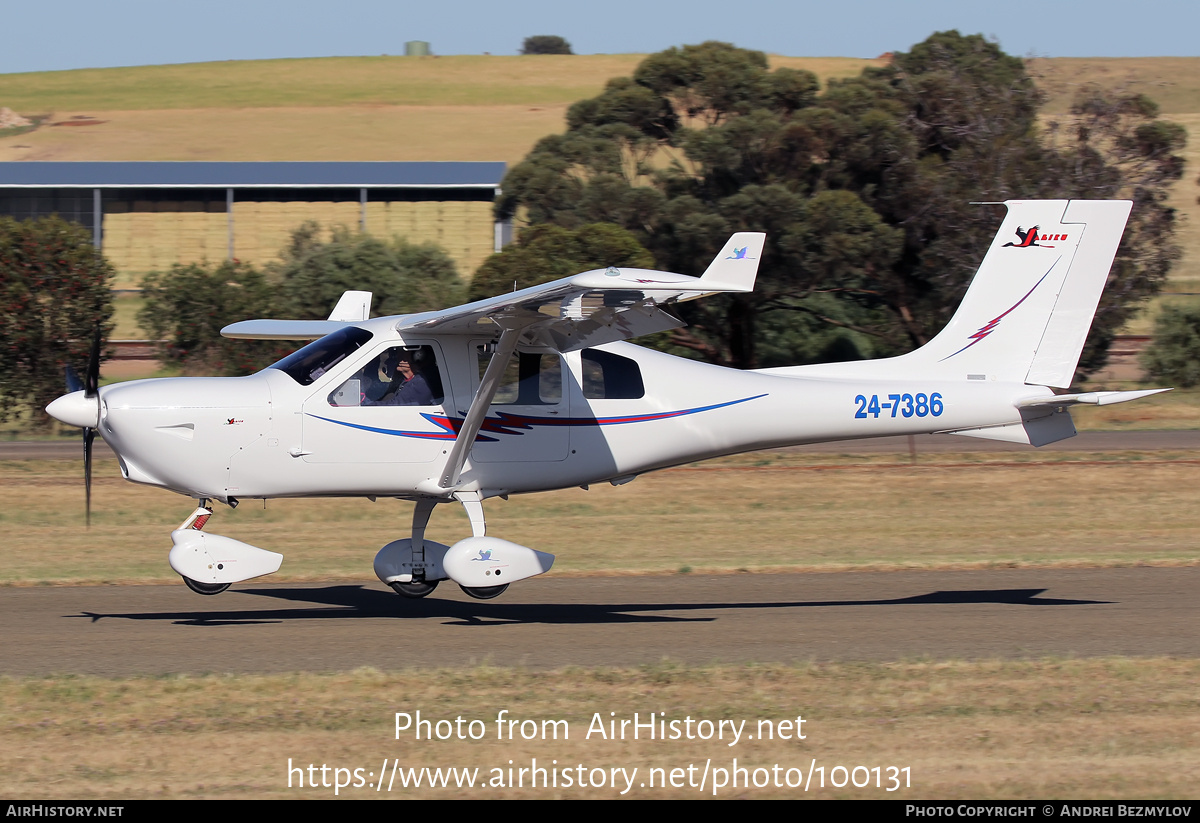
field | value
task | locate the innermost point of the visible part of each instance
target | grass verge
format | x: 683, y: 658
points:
x: 1095, y: 729
x: 767, y: 511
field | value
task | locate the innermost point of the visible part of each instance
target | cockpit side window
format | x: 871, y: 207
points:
x: 398, y: 376
x: 608, y: 376
x: 309, y: 363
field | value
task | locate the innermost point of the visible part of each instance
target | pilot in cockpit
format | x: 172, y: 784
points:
x: 396, y: 380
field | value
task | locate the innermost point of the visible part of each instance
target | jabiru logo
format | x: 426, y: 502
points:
x: 1032, y: 238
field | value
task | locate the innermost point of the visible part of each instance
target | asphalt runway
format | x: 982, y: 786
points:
x: 606, y: 621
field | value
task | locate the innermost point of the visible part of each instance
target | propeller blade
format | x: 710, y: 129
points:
x: 92, y: 379
x: 89, y: 434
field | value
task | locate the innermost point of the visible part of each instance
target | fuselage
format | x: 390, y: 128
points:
x: 312, y: 427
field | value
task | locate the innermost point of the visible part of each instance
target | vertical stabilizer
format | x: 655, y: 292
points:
x: 1030, y: 306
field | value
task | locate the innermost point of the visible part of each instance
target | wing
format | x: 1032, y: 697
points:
x: 281, y: 329
x: 588, y: 309
x: 598, y: 306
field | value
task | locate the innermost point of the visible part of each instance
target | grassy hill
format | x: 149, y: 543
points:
x: 339, y: 108
x: 467, y: 80
x: 443, y: 108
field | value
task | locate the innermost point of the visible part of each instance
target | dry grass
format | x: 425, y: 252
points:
x: 1174, y: 410
x: 470, y: 80
x: 362, y: 133
x: 1053, y: 728
x: 393, y: 109
x: 964, y: 511
x: 1172, y: 82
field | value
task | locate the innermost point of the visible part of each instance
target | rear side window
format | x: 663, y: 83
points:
x: 530, y: 379
x: 309, y: 363
x: 608, y: 376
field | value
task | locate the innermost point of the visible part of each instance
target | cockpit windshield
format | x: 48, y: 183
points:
x: 312, y: 361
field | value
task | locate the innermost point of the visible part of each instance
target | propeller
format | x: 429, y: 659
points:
x: 90, y: 385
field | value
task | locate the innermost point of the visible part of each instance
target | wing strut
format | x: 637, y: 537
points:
x: 479, y: 407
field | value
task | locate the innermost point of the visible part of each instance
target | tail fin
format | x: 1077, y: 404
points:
x: 1029, y: 308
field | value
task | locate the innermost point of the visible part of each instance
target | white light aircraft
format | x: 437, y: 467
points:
x: 535, y: 390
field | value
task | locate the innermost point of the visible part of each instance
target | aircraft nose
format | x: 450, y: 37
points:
x: 76, y: 410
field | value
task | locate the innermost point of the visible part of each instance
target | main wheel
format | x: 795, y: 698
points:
x: 484, y: 592
x: 205, y: 588
x: 415, y: 589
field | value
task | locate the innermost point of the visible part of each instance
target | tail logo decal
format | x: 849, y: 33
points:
x: 740, y: 254
x: 1030, y: 239
x: 991, y: 325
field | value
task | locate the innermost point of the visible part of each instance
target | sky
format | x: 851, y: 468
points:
x: 72, y: 34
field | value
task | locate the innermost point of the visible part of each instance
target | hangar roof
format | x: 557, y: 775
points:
x: 251, y: 175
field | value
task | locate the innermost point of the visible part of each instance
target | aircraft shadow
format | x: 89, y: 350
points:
x: 351, y: 602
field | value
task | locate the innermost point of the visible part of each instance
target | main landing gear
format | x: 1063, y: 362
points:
x: 414, y: 588
x: 484, y: 592
x: 483, y: 567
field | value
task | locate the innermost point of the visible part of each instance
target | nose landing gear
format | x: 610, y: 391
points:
x: 196, y: 520
x: 209, y: 563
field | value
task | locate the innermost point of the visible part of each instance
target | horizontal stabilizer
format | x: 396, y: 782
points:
x: 1091, y: 398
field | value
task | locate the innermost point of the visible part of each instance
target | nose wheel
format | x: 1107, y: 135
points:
x: 196, y: 520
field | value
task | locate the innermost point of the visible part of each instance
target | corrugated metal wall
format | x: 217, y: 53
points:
x: 149, y: 230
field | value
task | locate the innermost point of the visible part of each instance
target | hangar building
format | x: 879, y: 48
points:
x: 147, y: 216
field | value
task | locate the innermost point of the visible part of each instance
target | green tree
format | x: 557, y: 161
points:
x: 1174, y: 354
x: 545, y: 44
x: 404, y: 277
x: 864, y: 190
x: 186, y: 307
x: 55, y: 292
